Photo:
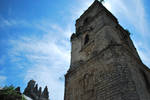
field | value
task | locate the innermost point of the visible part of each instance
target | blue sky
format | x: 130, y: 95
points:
x: 35, y: 38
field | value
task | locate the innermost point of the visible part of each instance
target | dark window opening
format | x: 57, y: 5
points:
x: 86, y: 39
x: 86, y: 21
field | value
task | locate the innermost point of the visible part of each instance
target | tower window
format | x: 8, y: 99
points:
x: 86, y: 20
x: 86, y: 40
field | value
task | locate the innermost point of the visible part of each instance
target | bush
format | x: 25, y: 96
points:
x: 9, y: 93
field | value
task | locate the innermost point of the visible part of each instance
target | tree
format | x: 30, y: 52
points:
x: 9, y: 93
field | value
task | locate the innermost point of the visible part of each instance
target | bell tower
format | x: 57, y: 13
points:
x: 104, y: 62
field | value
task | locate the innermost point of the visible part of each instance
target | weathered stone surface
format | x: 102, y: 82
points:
x: 29, y: 90
x: 104, y: 62
x: 18, y: 90
x: 45, y: 93
x: 40, y: 92
x: 33, y: 92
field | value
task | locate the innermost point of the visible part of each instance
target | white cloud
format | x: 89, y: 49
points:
x: 108, y: 5
x: 132, y: 10
x: 48, y: 55
x: 82, y: 6
x: 45, y: 75
x: 7, y: 22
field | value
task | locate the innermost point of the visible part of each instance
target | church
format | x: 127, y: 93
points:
x: 105, y: 64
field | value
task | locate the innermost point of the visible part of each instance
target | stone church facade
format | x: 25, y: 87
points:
x: 104, y: 62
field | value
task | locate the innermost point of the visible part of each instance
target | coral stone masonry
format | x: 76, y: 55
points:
x: 33, y: 92
x: 104, y: 62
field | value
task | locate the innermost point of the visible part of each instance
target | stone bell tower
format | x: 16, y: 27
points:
x: 104, y: 62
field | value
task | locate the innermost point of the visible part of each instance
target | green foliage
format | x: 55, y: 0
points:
x: 23, y: 98
x: 9, y: 91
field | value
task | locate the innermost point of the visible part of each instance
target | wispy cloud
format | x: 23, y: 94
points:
x: 48, y: 55
x: 82, y: 6
x: 7, y: 22
x: 131, y: 10
x: 50, y: 76
x: 48, y: 27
